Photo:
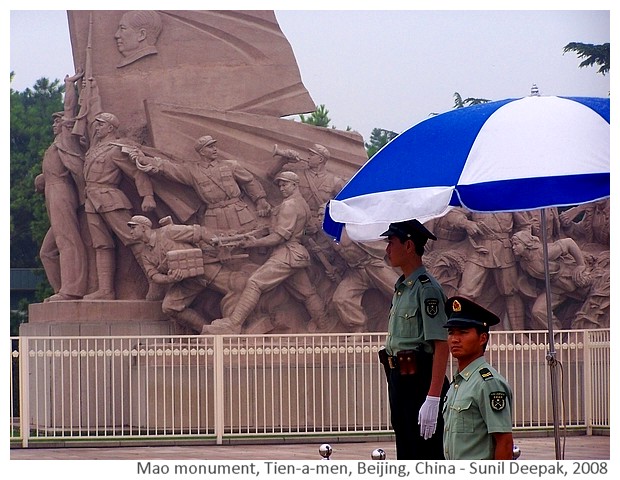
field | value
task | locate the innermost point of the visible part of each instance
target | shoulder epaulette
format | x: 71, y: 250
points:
x: 424, y: 279
x: 485, y: 373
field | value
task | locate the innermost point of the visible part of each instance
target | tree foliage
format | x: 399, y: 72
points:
x: 592, y: 55
x: 378, y: 139
x: 30, y: 135
x: 459, y: 102
x: 318, y: 118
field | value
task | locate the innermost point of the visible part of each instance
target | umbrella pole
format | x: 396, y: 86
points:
x: 551, y: 354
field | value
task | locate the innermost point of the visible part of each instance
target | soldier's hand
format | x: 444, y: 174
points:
x: 175, y: 275
x: 134, y: 152
x: 263, y: 208
x: 247, y: 243
x: 565, y: 219
x: 581, y: 277
x: 472, y: 228
x: 79, y: 73
x: 39, y: 183
x: 148, y: 203
x: 427, y: 417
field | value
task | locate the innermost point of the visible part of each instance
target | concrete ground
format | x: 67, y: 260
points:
x: 580, y: 447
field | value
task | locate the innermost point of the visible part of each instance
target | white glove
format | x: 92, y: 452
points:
x: 427, y: 417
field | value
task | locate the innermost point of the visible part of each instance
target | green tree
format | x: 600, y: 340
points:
x: 378, y: 139
x: 30, y: 135
x: 459, y: 102
x: 318, y: 118
x: 592, y: 55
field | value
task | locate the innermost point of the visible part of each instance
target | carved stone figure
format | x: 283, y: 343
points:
x: 218, y: 183
x: 570, y: 277
x: 366, y: 269
x: 554, y: 226
x: 446, y: 256
x: 137, y: 34
x: 107, y: 207
x: 595, y: 313
x: 490, y: 255
x: 316, y: 184
x: 202, y: 59
x: 178, y: 256
x: 589, y: 224
x: 287, y: 262
x: 63, y: 251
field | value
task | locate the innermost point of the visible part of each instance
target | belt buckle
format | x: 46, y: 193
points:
x: 391, y: 362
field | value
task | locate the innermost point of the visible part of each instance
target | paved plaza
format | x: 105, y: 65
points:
x: 532, y: 448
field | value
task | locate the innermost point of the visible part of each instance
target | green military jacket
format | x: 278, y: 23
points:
x: 478, y: 404
x: 417, y: 315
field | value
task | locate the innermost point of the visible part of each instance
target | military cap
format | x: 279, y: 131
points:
x: 320, y: 150
x: 63, y: 120
x: 108, y: 118
x: 409, y: 229
x: 287, y: 176
x: 139, y: 220
x: 462, y: 312
x: 204, y: 141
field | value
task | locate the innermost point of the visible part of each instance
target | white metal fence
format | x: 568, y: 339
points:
x: 219, y: 387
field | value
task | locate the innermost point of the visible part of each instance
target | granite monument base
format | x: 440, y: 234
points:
x: 99, y: 318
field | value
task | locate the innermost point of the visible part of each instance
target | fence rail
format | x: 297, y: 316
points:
x: 221, y: 387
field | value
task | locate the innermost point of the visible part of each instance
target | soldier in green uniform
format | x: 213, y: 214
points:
x: 477, y: 411
x: 416, y: 353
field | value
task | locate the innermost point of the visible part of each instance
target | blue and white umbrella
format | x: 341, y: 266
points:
x: 509, y: 155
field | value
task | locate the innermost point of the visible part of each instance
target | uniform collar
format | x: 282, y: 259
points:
x: 152, y: 241
x: 471, y: 368
x: 411, y: 279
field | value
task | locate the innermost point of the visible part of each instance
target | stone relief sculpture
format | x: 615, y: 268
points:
x: 590, y: 224
x: 196, y: 196
x: 218, y: 183
x: 579, y: 278
x: 316, y: 184
x: 108, y: 208
x: 63, y: 251
x: 183, y: 258
x: 489, y: 254
x: 570, y: 276
x: 136, y: 35
x: 366, y: 269
x: 286, y: 263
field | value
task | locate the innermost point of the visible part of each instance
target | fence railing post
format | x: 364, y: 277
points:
x: 587, y: 381
x: 218, y: 371
x: 24, y: 389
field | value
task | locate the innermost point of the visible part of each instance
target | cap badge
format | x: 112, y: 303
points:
x: 456, y: 306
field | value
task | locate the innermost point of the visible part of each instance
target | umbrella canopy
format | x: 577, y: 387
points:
x: 509, y: 155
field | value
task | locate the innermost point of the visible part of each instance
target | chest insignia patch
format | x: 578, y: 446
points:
x: 497, y: 400
x: 432, y: 306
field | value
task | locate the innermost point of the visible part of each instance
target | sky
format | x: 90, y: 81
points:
x: 386, y: 68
